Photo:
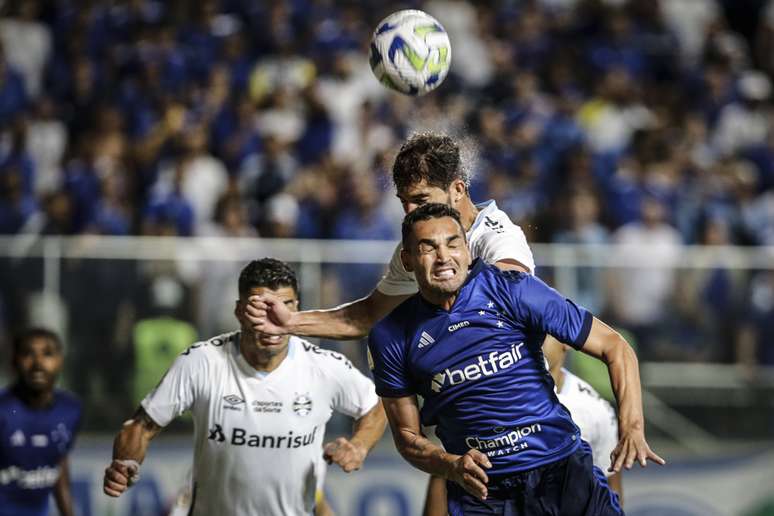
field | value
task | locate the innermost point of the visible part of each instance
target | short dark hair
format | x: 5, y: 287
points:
x: 430, y: 156
x: 433, y: 210
x: 267, y: 273
x: 25, y: 336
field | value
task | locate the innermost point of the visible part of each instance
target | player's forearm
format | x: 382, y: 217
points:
x: 345, y: 322
x: 624, y: 373
x: 369, y: 429
x: 132, y: 442
x: 421, y: 453
x: 62, y: 494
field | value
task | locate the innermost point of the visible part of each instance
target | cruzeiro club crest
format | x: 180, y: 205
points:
x: 302, y: 405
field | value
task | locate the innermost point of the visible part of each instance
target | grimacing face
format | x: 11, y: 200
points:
x: 422, y: 193
x: 38, y: 363
x: 268, y: 345
x: 438, y: 255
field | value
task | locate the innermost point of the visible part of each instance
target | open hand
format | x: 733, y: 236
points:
x: 632, y: 447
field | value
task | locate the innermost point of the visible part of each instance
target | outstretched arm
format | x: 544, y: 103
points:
x: 350, y: 453
x: 467, y: 470
x: 351, y: 320
x: 129, y: 449
x: 607, y: 345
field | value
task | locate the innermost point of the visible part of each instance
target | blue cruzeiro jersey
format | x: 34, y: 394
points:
x: 32, y: 445
x: 480, y: 369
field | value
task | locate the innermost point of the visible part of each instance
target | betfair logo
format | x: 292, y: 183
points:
x: 483, y: 366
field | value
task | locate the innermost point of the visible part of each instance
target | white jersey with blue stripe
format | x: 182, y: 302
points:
x: 492, y: 238
x: 479, y: 366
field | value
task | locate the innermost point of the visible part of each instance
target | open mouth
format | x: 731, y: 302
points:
x: 38, y: 376
x: 444, y: 273
x: 269, y: 340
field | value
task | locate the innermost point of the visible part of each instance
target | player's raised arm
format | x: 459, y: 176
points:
x: 129, y: 449
x: 351, y: 320
x: 467, y: 470
x: 609, y: 346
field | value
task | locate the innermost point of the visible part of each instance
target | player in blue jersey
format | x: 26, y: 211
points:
x: 470, y: 345
x: 38, y: 424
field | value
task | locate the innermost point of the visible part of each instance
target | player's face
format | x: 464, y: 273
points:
x: 439, y: 256
x: 270, y: 344
x: 38, y: 363
x: 421, y: 193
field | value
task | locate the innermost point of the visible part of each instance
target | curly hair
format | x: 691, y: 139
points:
x: 430, y: 156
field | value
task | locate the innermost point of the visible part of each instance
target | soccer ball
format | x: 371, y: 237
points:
x: 410, y: 52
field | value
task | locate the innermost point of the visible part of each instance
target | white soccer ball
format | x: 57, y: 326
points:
x: 410, y: 52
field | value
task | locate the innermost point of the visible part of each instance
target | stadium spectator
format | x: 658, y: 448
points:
x: 38, y: 426
x: 643, y: 314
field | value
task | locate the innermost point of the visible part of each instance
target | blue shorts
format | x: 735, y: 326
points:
x: 572, y: 486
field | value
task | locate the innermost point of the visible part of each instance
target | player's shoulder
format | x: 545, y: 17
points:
x: 493, y: 221
x: 311, y: 355
x: 67, y: 401
x: 7, y: 398
x: 214, y: 348
x: 492, y: 273
x: 399, y: 321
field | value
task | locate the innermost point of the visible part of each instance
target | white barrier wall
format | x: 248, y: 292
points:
x: 733, y: 485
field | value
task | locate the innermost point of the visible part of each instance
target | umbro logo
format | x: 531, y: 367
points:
x: 425, y: 340
x: 234, y: 402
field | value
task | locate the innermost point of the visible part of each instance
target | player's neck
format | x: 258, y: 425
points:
x: 444, y: 301
x: 468, y: 213
x: 34, y: 399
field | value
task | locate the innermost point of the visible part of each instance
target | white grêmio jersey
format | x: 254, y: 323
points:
x: 594, y: 416
x: 258, y: 436
x: 492, y: 237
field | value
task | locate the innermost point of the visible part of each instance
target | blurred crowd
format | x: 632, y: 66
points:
x: 588, y: 121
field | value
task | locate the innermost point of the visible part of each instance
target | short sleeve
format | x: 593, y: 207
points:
x: 606, y: 438
x: 177, y: 390
x: 354, y: 393
x: 397, y: 281
x: 545, y: 310
x: 388, y: 363
x: 504, y: 240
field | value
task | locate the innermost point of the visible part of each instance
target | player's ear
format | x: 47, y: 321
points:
x: 458, y: 190
x: 405, y: 260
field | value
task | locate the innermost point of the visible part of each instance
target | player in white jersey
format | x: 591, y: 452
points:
x: 427, y: 169
x: 260, y: 404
